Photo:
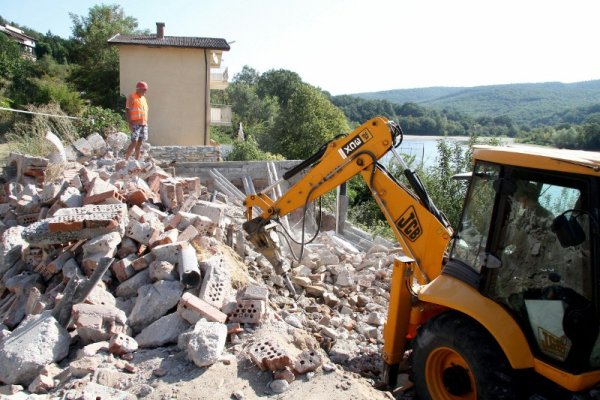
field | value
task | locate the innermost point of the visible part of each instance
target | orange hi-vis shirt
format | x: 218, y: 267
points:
x: 137, y: 109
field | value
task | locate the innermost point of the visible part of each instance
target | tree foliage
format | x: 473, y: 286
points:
x: 306, y: 122
x: 97, y: 70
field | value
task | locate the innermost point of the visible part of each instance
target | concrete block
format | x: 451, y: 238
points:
x: 201, y: 308
x: 213, y: 211
x: 167, y: 252
x: 255, y: 292
x: 97, y: 144
x: 248, y: 311
x: 141, y: 232
x: 71, y: 198
x: 83, y: 146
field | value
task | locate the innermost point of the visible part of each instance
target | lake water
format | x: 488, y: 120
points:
x: 424, y: 148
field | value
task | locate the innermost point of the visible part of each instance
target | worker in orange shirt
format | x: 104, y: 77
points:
x: 137, y: 117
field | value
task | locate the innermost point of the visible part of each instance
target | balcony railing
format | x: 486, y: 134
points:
x: 219, y: 78
x: 220, y: 115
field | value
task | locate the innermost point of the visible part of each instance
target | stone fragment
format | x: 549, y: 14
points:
x: 121, y: 343
x: 376, y: 318
x: 308, y: 360
x: 93, y: 390
x: 205, y: 343
x: 130, y: 287
x: 41, y: 384
x: 153, y: 301
x: 96, y: 323
x: 162, y: 270
x: 163, y: 331
x: 11, y: 244
x: 255, y: 292
x: 285, y: 374
x: 279, y: 386
x: 167, y: 252
x: 36, y: 342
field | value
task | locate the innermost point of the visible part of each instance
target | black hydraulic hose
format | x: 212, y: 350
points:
x: 421, y: 192
x: 309, y: 161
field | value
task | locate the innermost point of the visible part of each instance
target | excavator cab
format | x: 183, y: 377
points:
x: 527, y: 246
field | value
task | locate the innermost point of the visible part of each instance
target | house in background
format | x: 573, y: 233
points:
x: 26, y: 43
x: 180, y: 72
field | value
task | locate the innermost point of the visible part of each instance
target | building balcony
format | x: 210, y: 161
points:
x: 220, y: 115
x: 219, y: 78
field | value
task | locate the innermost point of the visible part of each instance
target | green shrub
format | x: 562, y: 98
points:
x: 100, y: 120
x: 248, y: 150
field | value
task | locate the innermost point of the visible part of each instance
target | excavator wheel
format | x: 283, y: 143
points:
x: 455, y: 358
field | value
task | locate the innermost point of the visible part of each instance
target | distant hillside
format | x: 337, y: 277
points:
x: 522, y: 102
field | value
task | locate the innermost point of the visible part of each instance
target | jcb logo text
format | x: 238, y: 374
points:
x: 408, y: 224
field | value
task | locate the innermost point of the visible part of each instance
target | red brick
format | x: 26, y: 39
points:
x: 65, y: 226
x: 100, y: 197
x: 191, y: 302
x: 137, y: 197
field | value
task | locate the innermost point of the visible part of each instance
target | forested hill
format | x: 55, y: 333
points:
x: 526, y: 103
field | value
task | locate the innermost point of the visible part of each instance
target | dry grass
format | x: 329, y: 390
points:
x: 4, y: 150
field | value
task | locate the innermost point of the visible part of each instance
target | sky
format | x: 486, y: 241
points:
x: 353, y: 46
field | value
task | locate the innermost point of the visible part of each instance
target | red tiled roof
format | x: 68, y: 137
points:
x: 171, y: 41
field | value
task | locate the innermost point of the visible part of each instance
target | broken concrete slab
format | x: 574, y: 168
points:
x: 71, y: 224
x: 164, y: 331
x: 153, y: 301
x: 38, y: 341
x: 96, y: 323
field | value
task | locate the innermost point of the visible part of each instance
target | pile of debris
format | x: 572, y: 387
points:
x: 101, y: 256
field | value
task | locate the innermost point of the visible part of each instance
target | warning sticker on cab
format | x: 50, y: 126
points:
x: 355, y: 143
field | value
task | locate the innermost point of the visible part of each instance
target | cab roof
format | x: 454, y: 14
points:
x: 538, y: 157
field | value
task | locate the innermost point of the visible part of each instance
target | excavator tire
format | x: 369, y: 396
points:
x: 455, y: 358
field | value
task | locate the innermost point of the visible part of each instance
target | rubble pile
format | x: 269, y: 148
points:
x: 107, y: 257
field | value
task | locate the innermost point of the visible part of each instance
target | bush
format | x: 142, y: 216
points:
x: 51, y: 90
x: 249, y: 150
x: 100, y: 120
x: 28, y: 136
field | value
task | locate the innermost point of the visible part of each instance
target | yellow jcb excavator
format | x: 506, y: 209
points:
x: 503, y: 307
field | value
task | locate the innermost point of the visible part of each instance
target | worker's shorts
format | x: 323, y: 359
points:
x: 139, y: 132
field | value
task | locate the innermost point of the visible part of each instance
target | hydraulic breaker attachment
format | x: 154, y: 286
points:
x: 264, y: 238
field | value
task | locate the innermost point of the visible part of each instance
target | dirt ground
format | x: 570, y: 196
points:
x: 183, y: 380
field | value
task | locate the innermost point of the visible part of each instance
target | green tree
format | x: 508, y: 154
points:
x: 97, y: 71
x: 278, y: 83
x: 307, y: 121
x: 248, y: 75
